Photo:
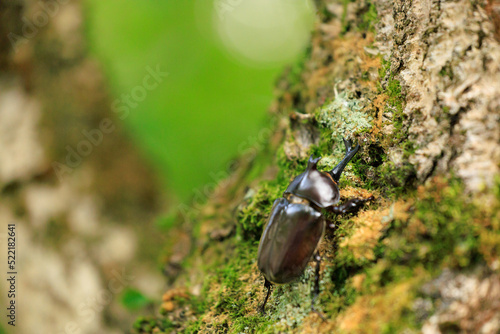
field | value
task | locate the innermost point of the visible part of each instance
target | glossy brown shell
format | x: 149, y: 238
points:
x: 315, y: 186
x: 289, y: 240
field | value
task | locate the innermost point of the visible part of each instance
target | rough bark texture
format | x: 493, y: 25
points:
x: 447, y: 61
x: 80, y: 226
x: 417, y: 84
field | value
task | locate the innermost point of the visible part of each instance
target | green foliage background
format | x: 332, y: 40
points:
x: 208, y: 106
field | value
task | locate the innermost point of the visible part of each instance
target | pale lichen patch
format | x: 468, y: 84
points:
x: 344, y: 117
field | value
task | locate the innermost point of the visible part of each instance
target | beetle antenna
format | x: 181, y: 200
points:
x: 267, y: 285
x: 350, y: 153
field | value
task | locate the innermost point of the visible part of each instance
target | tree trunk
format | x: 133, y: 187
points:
x: 79, y: 194
x: 417, y: 84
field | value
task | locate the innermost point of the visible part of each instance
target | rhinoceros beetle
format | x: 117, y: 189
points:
x: 296, y: 224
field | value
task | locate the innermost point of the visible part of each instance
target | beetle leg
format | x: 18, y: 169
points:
x: 267, y: 285
x: 349, y: 154
x: 315, y: 290
x: 351, y: 205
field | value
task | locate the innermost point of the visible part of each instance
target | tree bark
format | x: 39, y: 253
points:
x: 81, y: 198
x: 417, y: 84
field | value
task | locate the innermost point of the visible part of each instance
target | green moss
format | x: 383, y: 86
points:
x: 340, y: 294
x: 443, y: 229
x: 449, y: 232
x: 395, y: 104
x: 150, y: 324
x: 369, y: 18
x: 252, y: 324
x: 392, y: 89
x: 394, y: 181
x: 224, y: 287
x: 346, y: 25
x: 450, y: 238
x: 365, y: 19
x: 326, y: 142
x: 256, y: 207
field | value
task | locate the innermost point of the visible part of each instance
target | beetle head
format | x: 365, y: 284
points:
x: 315, y: 186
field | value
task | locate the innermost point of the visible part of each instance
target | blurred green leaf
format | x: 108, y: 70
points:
x: 208, y: 107
x: 133, y: 299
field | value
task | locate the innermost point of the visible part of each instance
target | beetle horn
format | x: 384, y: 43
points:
x: 350, y: 153
x: 312, y: 161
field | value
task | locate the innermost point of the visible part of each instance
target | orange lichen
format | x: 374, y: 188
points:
x: 368, y: 228
x: 350, y: 192
x: 176, y: 292
x: 357, y: 281
x: 371, y: 312
x: 379, y: 103
x: 415, y: 228
x: 366, y: 316
x: 313, y: 324
x: 168, y: 299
